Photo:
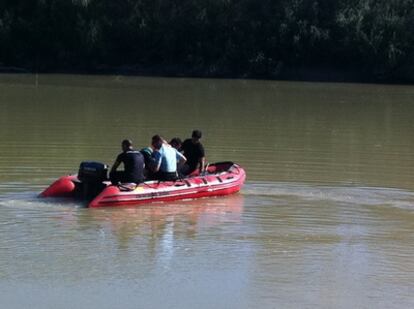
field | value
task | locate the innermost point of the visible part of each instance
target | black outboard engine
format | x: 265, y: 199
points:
x: 92, y: 175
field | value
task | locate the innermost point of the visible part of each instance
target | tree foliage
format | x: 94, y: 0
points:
x: 250, y: 38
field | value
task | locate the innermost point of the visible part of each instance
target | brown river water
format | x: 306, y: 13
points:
x: 325, y: 219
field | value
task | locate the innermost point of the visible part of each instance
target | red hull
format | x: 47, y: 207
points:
x: 221, y: 179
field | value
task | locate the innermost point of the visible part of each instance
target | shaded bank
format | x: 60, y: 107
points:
x: 322, y: 74
x: 361, y: 40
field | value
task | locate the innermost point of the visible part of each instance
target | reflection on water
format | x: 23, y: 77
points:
x: 280, y: 131
x: 161, y: 224
x: 292, y: 244
x: 325, y: 219
x: 151, y: 232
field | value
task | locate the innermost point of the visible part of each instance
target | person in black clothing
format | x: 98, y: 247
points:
x: 133, y: 165
x: 176, y: 143
x: 194, y: 152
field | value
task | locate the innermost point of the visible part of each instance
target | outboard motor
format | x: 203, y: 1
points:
x: 92, y: 175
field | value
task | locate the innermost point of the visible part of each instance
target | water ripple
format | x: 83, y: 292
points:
x: 342, y: 194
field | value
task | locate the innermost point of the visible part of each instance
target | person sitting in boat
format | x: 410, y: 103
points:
x: 165, y: 159
x: 133, y: 165
x: 176, y: 143
x: 148, y: 160
x: 193, y: 150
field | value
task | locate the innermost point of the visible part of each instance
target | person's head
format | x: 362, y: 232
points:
x: 176, y: 142
x: 126, y: 145
x: 157, y: 142
x: 196, y: 135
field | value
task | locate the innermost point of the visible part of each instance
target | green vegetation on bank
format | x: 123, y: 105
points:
x: 312, y: 39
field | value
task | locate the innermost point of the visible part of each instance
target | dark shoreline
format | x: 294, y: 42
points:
x: 329, y: 41
x: 306, y: 74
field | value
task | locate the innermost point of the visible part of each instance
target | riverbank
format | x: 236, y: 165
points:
x: 311, y: 74
x: 362, y: 41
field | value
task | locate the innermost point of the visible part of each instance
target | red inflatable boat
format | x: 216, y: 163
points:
x: 90, y: 184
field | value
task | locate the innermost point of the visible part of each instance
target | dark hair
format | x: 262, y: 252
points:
x: 196, y: 134
x: 127, y: 143
x: 157, y: 141
x: 175, y: 141
x: 156, y: 138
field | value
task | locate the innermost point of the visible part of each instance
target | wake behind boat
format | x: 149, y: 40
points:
x: 91, y: 184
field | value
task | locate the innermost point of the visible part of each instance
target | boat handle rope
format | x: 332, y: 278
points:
x: 233, y: 168
x: 127, y: 188
x: 174, y: 183
x: 151, y: 187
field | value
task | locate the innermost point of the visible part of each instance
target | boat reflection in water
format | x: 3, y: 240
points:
x: 184, y: 219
